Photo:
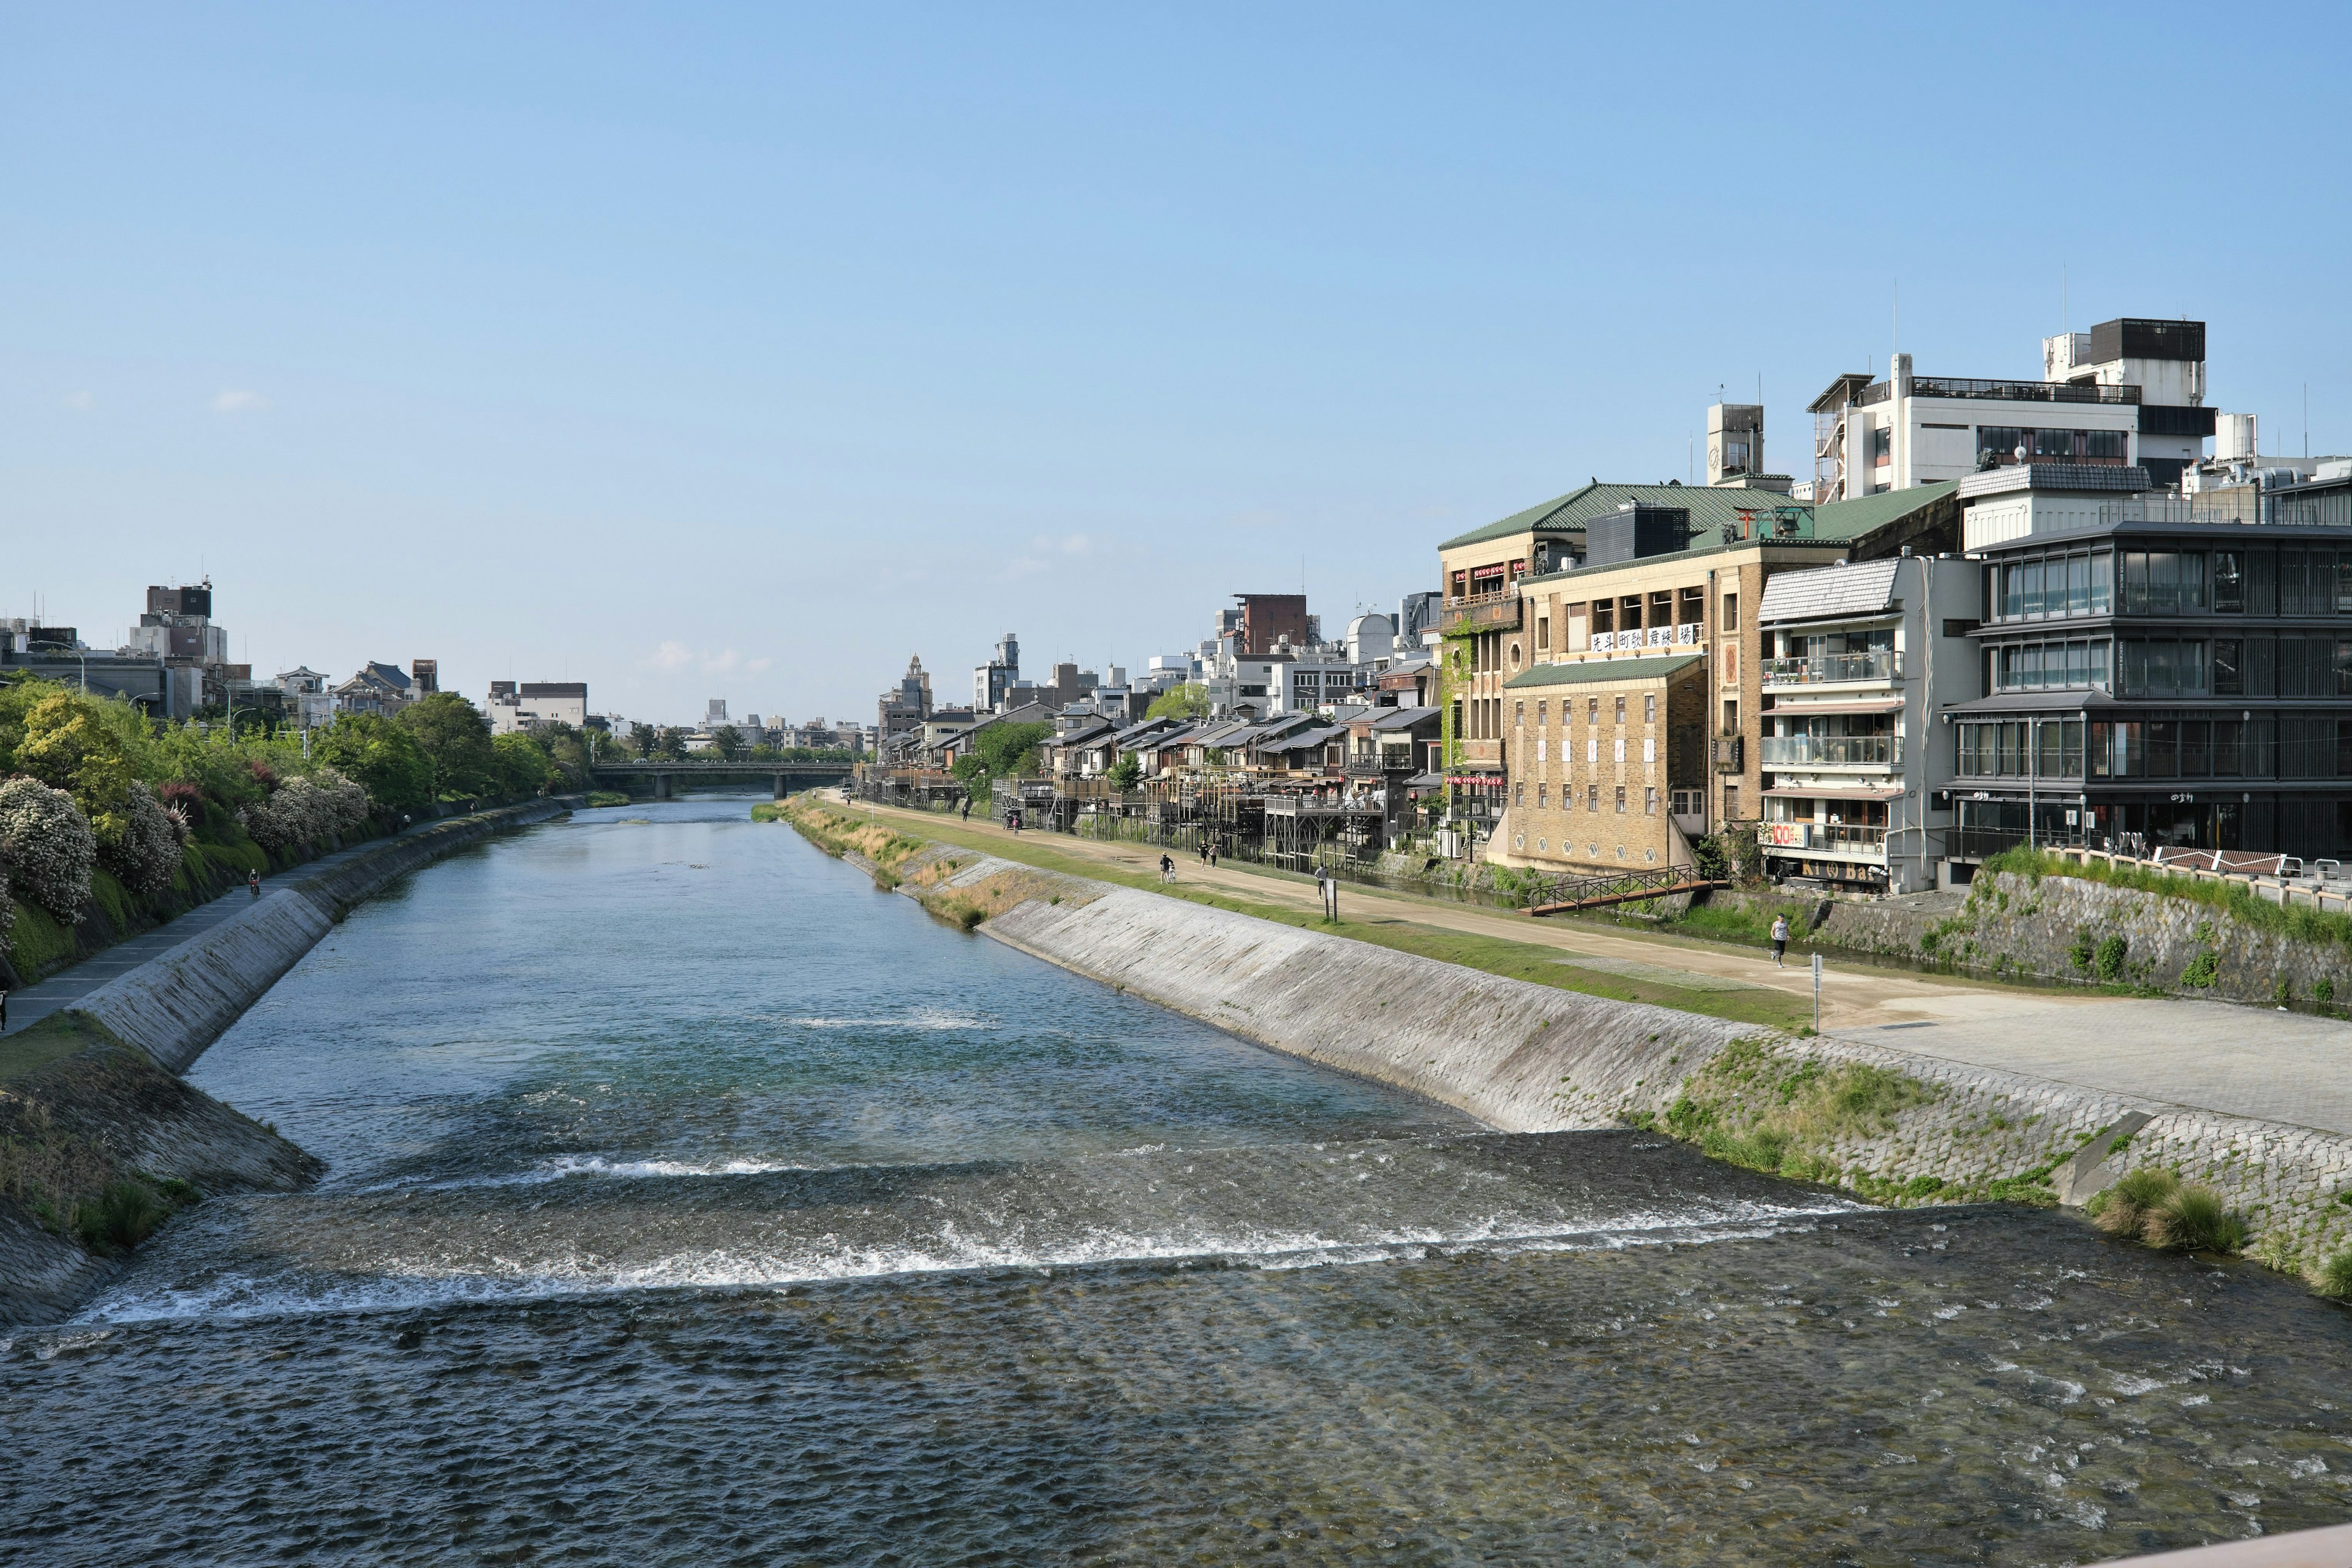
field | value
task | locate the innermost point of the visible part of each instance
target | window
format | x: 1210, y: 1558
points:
x: 2228, y: 656
x: 1621, y: 710
x: 1519, y: 793
x: 1541, y: 709
x: 1882, y: 444
x: 1515, y: 656
x: 1732, y: 611
x: 1649, y: 803
x: 1592, y: 797
x: 1543, y: 634
x: 1593, y: 711
x: 1730, y: 715
x: 1650, y: 708
x: 2229, y: 582
x: 1542, y: 790
x: 2103, y: 445
x: 1519, y: 714
x: 1621, y: 800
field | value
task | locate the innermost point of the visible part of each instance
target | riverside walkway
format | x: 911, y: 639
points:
x: 2213, y: 1056
x: 71, y: 984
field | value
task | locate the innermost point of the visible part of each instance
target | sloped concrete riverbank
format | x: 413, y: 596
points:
x: 1891, y: 1125
x: 99, y: 1138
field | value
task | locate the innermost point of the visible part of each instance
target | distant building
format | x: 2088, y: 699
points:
x: 905, y: 707
x: 2130, y: 393
x: 377, y: 688
x: 1269, y: 619
x: 309, y: 703
x: 513, y: 707
x: 425, y: 676
x: 177, y: 627
x: 993, y: 681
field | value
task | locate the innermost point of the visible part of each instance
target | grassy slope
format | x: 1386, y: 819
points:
x: 1496, y: 955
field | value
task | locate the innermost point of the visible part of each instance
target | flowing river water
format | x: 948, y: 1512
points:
x: 691, y: 1201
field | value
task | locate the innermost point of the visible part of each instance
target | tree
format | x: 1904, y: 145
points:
x: 521, y: 764
x: 644, y: 738
x: 669, y: 746
x: 455, y: 735
x: 68, y: 746
x: 381, y: 757
x: 1189, y: 702
x: 727, y: 742
x: 1127, y: 772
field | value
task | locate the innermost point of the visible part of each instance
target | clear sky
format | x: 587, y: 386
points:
x: 745, y: 350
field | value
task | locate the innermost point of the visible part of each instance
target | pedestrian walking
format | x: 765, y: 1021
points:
x: 252, y: 883
x: 1780, y: 939
x: 1167, y: 869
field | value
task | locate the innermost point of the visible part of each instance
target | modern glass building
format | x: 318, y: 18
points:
x: 2155, y: 673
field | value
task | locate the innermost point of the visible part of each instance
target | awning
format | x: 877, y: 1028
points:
x: 1425, y: 781
x: 1836, y: 794
x: 1859, y: 705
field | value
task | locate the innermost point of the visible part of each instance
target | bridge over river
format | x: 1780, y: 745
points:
x: 786, y: 776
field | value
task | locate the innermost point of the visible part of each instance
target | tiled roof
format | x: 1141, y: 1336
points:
x: 1585, y: 672
x: 1866, y: 515
x: 1866, y: 588
x: 1567, y: 513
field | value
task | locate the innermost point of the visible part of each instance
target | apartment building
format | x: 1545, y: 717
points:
x: 2128, y: 393
x: 1856, y: 657
x: 2157, y: 671
x: 513, y: 705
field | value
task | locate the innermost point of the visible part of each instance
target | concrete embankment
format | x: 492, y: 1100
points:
x: 174, y: 1006
x: 99, y: 1136
x: 1890, y: 1125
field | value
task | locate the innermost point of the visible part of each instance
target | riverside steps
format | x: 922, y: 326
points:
x: 1528, y: 1058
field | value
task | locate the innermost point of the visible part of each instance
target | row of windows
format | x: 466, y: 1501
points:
x: 2179, y: 666
x: 2293, y: 746
x: 1591, y: 798
x: 2285, y: 582
x: 1591, y: 710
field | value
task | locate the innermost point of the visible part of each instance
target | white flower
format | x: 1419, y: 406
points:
x: 47, y: 846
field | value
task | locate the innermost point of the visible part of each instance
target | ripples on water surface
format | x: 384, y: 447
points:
x: 692, y: 1201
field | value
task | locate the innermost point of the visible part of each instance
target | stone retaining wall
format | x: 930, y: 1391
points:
x: 2050, y: 929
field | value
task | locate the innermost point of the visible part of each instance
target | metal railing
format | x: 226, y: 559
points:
x: 2001, y: 391
x: 1883, y: 664
x: 1833, y: 750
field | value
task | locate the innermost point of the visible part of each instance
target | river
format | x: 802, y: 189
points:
x: 689, y: 1201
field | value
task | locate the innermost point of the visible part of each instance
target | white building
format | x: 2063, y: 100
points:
x: 2128, y: 393
x: 511, y: 707
x: 1859, y: 662
x: 307, y: 701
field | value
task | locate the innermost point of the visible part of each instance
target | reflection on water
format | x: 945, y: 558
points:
x: 690, y: 1200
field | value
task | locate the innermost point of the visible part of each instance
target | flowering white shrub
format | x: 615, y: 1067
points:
x: 304, y: 811
x: 7, y: 912
x: 149, y: 851
x: 47, y: 846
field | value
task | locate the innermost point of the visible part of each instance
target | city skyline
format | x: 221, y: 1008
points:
x: 680, y: 359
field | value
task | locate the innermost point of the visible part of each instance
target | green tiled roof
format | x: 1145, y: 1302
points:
x: 1706, y: 506
x: 1648, y: 669
x: 1868, y: 514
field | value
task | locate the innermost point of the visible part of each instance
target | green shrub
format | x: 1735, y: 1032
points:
x: 607, y: 797
x: 2324, y: 993
x: 2335, y: 1276
x: 2082, y: 953
x: 2194, y: 1219
x: 2280, y: 993
x: 2204, y: 969
x: 2109, y: 958
x: 2123, y: 1208
x: 120, y: 1218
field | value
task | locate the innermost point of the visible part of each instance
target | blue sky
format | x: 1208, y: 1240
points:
x: 742, y: 352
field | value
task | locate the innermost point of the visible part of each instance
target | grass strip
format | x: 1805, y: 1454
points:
x: 1531, y: 962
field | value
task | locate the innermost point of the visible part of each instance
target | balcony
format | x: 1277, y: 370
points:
x: 1491, y: 612
x: 1833, y: 750
x: 1881, y: 666
x: 1854, y: 840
